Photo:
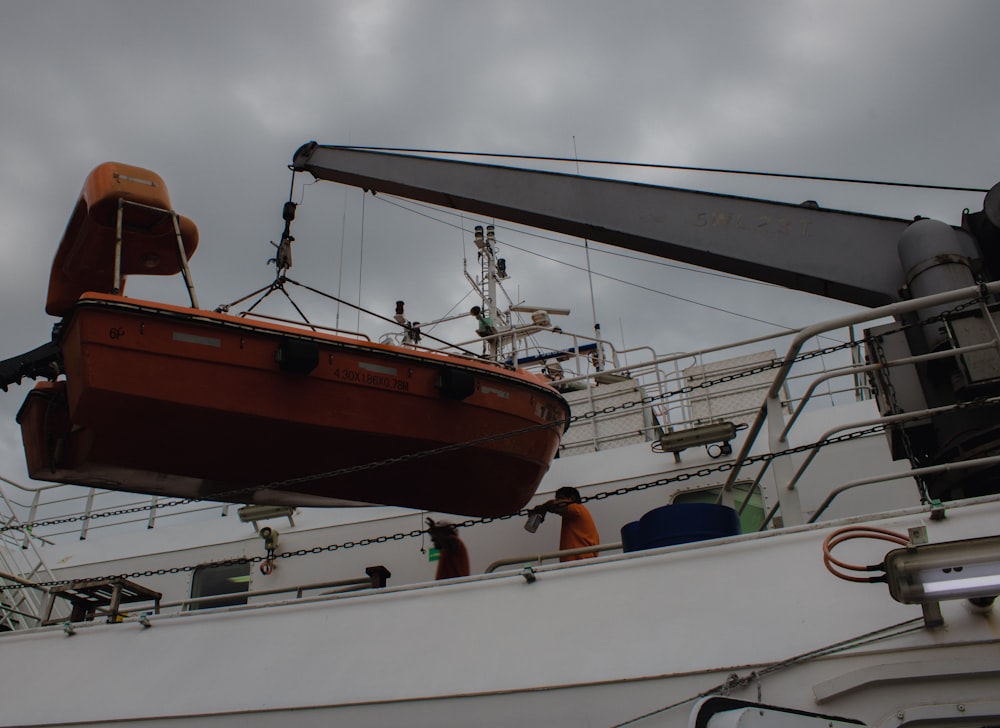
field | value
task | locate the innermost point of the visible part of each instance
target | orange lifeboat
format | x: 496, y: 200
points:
x: 182, y: 402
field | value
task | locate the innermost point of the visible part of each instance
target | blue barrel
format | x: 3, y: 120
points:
x: 630, y: 537
x: 682, y: 523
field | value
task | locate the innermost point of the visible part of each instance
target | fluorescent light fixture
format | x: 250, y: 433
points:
x: 251, y: 514
x: 987, y: 582
x: 694, y: 436
x: 967, y: 569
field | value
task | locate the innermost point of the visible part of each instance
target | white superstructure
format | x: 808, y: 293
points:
x: 332, y: 616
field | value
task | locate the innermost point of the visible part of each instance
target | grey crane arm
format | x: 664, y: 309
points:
x: 842, y: 255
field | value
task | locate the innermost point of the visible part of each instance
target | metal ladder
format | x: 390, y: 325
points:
x: 22, y: 603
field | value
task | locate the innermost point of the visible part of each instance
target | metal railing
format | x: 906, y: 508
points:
x: 80, y: 509
x: 18, y: 607
x: 770, y: 412
x: 550, y: 555
x: 376, y: 579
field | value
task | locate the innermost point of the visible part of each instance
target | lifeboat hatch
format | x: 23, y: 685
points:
x: 296, y: 356
x: 455, y: 383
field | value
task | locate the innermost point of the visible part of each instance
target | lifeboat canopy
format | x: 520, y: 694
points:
x: 123, y: 224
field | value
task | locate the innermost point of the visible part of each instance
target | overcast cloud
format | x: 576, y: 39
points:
x: 215, y: 97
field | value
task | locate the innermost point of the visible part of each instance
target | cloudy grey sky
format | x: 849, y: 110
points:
x: 215, y: 97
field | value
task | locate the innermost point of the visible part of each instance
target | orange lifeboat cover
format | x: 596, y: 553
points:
x: 85, y: 260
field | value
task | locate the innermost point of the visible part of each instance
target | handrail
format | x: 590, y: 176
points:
x: 20, y: 598
x: 806, y: 333
x: 158, y: 510
x: 929, y: 470
x: 697, y: 354
x: 20, y: 580
x: 861, y: 368
x: 31, y: 488
x: 887, y: 420
x: 184, y: 604
x: 377, y: 576
x: 541, y: 558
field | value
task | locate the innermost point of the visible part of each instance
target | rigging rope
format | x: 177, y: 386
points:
x: 676, y: 167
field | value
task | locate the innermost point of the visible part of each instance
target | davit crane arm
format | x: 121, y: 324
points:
x: 847, y: 256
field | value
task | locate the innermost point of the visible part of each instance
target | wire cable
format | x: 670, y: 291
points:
x: 676, y: 167
x: 852, y: 532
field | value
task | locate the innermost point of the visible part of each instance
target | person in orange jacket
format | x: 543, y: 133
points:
x: 578, y: 527
x: 454, y: 558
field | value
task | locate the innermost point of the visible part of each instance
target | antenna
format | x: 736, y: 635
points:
x: 528, y: 308
x: 590, y: 277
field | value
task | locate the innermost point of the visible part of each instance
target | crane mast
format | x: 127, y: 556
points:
x: 489, y: 273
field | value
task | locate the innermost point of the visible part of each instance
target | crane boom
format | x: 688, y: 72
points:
x: 842, y: 255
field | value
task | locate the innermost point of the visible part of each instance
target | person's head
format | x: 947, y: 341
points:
x: 442, y: 531
x: 568, y: 493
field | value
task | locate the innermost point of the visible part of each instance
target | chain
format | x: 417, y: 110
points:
x: 267, y: 561
x: 269, y: 558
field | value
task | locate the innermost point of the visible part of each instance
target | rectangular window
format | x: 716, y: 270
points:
x: 215, y: 580
x: 751, y: 516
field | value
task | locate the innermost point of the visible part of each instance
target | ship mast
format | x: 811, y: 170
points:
x: 492, y: 269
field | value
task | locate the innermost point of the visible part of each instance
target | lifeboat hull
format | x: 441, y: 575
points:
x: 176, y: 402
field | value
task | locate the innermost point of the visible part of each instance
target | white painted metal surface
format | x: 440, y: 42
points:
x: 642, y: 631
